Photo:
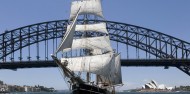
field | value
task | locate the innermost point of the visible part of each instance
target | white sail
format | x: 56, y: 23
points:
x: 87, y: 7
x: 104, y: 80
x: 114, y: 77
x: 99, y: 27
x: 102, y: 42
x: 116, y: 71
x: 68, y: 37
x: 99, y: 64
x: 96, y: 52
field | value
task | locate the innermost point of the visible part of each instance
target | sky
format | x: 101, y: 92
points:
x: 171, y: 17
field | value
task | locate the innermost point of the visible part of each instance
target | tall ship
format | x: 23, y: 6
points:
x: 88, y: 63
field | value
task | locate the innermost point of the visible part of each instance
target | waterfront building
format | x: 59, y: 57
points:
x: 162, y: 87
x: 3, y: 87
x: 153, y: 85
x: 27, y: 88
x: 1, y: 82
x: 16, y: 88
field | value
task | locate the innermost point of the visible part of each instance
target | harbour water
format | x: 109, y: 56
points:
x: 154, y: 93
x: 116, y: 93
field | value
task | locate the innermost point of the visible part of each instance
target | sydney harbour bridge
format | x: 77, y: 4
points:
x: 30, y: 46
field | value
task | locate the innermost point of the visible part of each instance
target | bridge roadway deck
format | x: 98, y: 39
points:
x: 124, y: 62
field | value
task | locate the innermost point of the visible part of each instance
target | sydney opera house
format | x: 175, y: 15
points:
x: 153, y: 85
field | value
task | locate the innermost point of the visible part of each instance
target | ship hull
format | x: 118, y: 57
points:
x: 87, y: 89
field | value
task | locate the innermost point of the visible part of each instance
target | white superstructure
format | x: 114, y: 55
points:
x: 153, y: 85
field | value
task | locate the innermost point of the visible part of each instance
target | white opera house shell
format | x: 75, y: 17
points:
x: 151, y: 85
x: 154, y: 85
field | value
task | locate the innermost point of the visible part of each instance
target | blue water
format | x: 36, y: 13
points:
x: 116, y: 93
x: 155, y: 93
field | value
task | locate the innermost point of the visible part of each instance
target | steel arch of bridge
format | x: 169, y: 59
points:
x: 158, y: 44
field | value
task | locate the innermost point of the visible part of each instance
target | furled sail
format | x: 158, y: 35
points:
x: 98, y: 64
x: 102, y: 42
x: 98, y: 27
x: 68, y: 37
x: 87, y: 7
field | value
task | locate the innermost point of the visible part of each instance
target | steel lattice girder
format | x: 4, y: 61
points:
x: 161, y: 45
x: 124, y: 62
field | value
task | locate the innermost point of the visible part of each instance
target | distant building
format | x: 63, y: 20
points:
x: 153, y: 85
x: 16, y: 88
x: 162, y: 86
x: 1, y: 82
x: 3, y: 88
x: 148, y: 86
x: 169, y: 88
x: 27, y: 88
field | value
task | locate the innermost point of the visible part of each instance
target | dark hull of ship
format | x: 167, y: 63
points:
x: 4, y: 92
x: 87, y: 89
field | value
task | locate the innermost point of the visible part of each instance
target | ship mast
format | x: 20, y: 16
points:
x: 68, y: 73
x: 86, y: 51
x: 97, y: 56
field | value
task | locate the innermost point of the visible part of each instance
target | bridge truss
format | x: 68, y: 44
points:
x: 13, y: 44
